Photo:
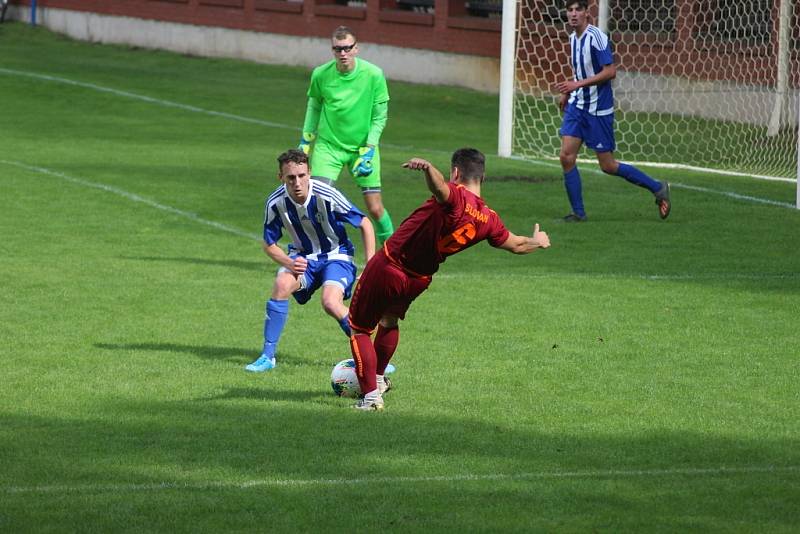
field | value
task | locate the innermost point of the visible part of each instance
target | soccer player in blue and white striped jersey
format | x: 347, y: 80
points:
x: 587, y: 101
x: 320, y: 254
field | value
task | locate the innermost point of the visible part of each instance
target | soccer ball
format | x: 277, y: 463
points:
x: 344, y: 380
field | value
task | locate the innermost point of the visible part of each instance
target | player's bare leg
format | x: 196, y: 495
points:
x: 608, y: 163
x: 333, y: 304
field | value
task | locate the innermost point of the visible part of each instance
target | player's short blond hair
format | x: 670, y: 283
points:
x: 343, y: 32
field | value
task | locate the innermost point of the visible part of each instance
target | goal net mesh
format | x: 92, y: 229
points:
x: 711, y: 83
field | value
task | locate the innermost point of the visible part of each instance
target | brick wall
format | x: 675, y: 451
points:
x: 447, y: 27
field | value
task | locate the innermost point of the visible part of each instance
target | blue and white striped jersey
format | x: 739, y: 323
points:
x: 589, y: 54
x: 316, y: 227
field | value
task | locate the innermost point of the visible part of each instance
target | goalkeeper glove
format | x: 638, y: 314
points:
x: 305, y: 142
x: 363, y: 165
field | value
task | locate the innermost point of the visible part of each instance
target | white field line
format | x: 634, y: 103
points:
x: 681, y: 166
x: 270, y: 124
x: 667, y: 166
x: 442, y: 276
x: 144, y: 98
x: 439, y: 276
x: 235, y: 231
x: 170, y: 104
x: 134, y: 197
x: 678, y: 185
x: 736, y: 196
x: 334, y: 482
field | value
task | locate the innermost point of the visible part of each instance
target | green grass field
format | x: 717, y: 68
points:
x: 640, y: 375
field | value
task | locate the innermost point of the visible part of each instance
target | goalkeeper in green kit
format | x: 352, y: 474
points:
x: 348, y: 102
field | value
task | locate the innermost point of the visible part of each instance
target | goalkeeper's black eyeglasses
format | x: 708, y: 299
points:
x: 345, y: 48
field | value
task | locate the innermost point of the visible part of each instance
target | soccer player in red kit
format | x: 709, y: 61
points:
x: 454, y: 219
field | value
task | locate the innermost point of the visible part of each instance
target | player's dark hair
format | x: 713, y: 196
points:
x: 294, y: 155
x: 470, y: 162
x: 342, y: 32
x: 581, y: 3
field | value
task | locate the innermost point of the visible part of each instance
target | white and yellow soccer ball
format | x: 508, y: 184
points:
x: 344, y: 380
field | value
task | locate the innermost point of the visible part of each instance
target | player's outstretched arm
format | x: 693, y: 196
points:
x: 521, y: 244
x: 433, y: 178
x: 368, y: 238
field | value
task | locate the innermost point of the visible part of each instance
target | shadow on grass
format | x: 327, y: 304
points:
x: 235, y: 354
x: 422, y: 471
x: 264, y: 394
x: 206, y: 352
x: 236, y: 264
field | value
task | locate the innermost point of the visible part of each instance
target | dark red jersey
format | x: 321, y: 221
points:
x: 435, y: 231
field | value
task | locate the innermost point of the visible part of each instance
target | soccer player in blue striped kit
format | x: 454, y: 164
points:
x: 314, y: 215
x: 587, y: 102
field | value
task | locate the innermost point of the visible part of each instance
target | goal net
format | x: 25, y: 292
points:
x: 712, y: 84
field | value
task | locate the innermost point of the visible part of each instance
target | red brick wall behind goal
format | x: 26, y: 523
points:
x: 388, y: 22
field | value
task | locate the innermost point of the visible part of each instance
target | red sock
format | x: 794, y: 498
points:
x: 386, y: 340
x: 364, y: 355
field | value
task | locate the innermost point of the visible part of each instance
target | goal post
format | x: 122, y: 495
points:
x: 701, y: 84
x: 508, y: 62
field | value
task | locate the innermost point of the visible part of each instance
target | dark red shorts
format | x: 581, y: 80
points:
x: 384, y: 289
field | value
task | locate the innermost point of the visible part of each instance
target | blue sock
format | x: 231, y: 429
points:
x: 344, y: 324
x: 572, y: 181
x: 275, y: 319
x: 635, y: 176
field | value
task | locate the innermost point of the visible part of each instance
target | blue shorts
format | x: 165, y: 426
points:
x: 319, y: 273
x: 596, y: 131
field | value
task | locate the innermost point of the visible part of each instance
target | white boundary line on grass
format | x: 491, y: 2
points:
x: 241, y: 233
x: 679, y: 185
x: 440, y: 276
x: 737, y: 196
x: 553, y: 475
x: 673, y: 166
x: 194, y: 109
x: 134, y: 197
x: 151, y: 100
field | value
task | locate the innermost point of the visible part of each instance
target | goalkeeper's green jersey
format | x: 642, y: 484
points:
x: 347, y: 102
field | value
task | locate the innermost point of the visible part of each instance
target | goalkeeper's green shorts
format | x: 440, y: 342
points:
x: 327, y: 161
